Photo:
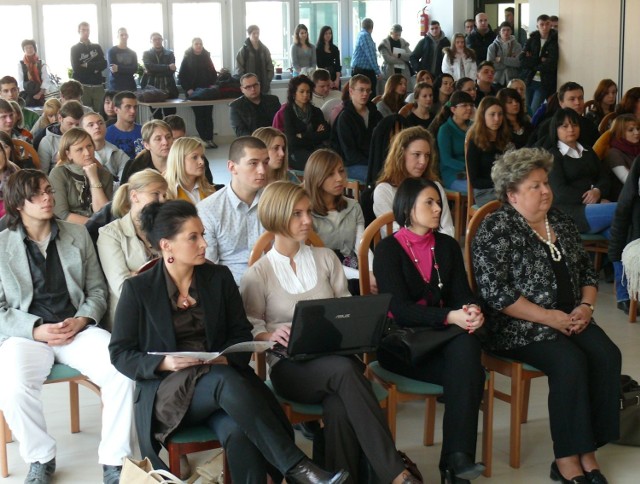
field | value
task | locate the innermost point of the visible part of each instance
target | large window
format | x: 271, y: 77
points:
x: 377, y: 10
x: 16, y: 26
x: 202, y: 20
x: 273, y: 20
x: 140, y: 20
x: 61, y: 33
x: 316, y: 14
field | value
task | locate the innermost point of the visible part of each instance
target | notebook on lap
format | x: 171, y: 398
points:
x: 335, y: 326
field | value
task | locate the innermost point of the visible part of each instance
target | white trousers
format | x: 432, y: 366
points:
x: 25, y: 366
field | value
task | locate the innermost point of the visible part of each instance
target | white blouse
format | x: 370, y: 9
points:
x: 305, y: 276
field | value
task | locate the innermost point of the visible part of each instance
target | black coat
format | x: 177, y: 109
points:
x: 422, y: 56
x: 197, y: 70
x: 310, y: 139
x: 143, y: 323
x: 350, y: 137
x: 626, y: 222
x: 531, y: 60
x: 246, y: 116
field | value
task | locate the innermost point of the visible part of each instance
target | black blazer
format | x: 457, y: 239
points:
x: 143, y: 323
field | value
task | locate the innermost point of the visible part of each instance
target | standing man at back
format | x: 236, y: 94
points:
x: 481, y: 38
x: 428, y: 53
x: 88, y: 62
x: 365, y: 60
x: 539, y: 62
x: 123, y: 64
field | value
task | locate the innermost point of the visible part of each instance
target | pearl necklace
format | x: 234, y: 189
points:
x: 556, y: 255
x: 435, y: 263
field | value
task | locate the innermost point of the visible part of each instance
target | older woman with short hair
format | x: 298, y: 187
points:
x: 539, y: 288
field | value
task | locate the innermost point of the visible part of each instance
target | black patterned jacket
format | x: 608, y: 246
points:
x: 509, y: 261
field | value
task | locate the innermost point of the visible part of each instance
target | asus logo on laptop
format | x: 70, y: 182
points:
x: 343, y: 316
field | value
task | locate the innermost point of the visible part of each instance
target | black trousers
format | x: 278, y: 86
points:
x: 371, y: 74
x: 204, y: 121
x: 249, y: 422
x: 584, y: 388
x: 353, y: 420
x: 457, y: 368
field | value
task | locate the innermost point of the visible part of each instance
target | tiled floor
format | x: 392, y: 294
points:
x: 77, y: 454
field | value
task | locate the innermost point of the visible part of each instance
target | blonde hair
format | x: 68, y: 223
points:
x: 395, y: 171
x: 138, y: 181
x: 268, y: 135
x: 619, y: 125
x: 17, y: 112
x: 70, y: 138
x: 318, y: 168
x: 276, y: 205
x: 176, y: 174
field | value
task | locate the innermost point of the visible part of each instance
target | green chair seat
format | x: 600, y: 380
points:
x: 196, y: 433
x: 316, y: 408
x: 593, y: 238
x: 60, y: 371
x: 510, y: 360
x: 405, y: 384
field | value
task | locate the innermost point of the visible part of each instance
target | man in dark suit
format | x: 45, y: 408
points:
x: 253, y: 110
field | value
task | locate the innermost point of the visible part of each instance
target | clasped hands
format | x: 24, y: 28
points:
x: 59, y: 334
x: 572, y: 323
x: 469, y: 317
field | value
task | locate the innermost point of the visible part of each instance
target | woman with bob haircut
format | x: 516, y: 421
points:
x: 276, y: 143
x: 395, y: 90
x: 82, y: 186
x: 304, y: 124
x: 580, y: 181
x: 515, y: 113
x: 337, y: 220
x: 185, y: 173
x: 489, y: 136
x: 122, y: 244
x: 420, y: 114
x: 184, y: 303
x: 412, y: 154
x: 424, y: 272
x: 604, y: 101
x: 539, y: 288
x: 291, y: 271
x: 302, y: 52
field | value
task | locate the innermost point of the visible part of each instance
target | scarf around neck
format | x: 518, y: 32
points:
x: 32, y: 67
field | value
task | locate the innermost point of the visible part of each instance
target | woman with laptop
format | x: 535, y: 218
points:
x: 424, y: 272
x: 354, y: 425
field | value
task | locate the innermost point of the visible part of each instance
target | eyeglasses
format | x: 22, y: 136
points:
x: 39, y: 195
x: 464, y: 105
x: 252, y: 86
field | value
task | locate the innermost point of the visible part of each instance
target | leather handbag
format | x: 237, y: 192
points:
x: 412, y: 345
x: 629, y: 412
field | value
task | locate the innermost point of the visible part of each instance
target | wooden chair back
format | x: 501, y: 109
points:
x: 29, y: 150
x: 370, y: 239
x: 472, y: 229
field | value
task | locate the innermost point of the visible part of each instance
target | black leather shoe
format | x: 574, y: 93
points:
x: 448, y: 477
x: 463, y: 466
x: 624, y: 306
x: 306, y: 472
x: 555, y: 475
x: 595, y: 477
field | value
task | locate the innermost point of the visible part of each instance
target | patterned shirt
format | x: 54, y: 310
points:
x: 364, y: 55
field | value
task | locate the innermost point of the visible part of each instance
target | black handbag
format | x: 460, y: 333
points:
x: 411, y: 345
x: 629, y: 412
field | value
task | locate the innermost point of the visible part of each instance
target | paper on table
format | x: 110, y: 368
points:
x: 396, y: 51
x: 244, y: 347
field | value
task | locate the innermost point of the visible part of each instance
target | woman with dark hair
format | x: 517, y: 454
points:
x: 33, y: 75
x: 354, y: 426
x: 198, y: 72
x: 185, y: 303
x: 539, y: 288
x: 11, y: 151
x: 395, y: 90
x: 468, y: 85
x: 422, y: 76
x: 304, y: 124
x: 302, y: 52
x: 604, y: 101
x: 424, y: 272
x: 108, y: 110
x: 442, y: 91
x: 580, y: 181
x: 452, y: 124
x: 459, y: 60
x: 421, y: 114
x: 7, y: 168
x: 630, y: 103
x: 489, y: 137
x: 516, y: 116
x: 255, y: 57
x: 328, y: 56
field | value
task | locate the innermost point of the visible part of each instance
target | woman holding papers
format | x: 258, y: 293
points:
x: 354, y: 425
x: 185, y: 303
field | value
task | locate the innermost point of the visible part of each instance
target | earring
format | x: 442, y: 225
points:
x: 170, y: 259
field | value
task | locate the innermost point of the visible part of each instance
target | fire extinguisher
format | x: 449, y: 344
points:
x: 424, y: 19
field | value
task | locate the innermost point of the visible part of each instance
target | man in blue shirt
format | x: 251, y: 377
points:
x: 125, y: 133
x: 364, y: 60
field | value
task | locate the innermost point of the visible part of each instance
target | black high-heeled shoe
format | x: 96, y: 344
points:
x: 595, y: 477
x: 448, y: 477
x: 556, y: 475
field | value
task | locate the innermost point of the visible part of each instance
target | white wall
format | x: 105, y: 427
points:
x: 451, y: 14
x: 539, y: 7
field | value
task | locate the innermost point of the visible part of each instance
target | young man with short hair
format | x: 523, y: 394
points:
x: 481, y: 38
x: 160, y: 69
x: 428, y: 54
x: 322, y: 91
x: 157, y: 140
x: 230, y: 215
x: 123, y: 64
x: 125, y: 133
x: 68, y: 117
x: 469, y: 25
x: 253, y: 109
x: 88, y: 62
x: 52, y: 300
x: 9, y: 91
x: 353, y: 128
x: 108, y: 154
x: 484, y: 81
x: 539, y: 62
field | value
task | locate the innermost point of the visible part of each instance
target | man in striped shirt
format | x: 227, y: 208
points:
x: 364, y: 60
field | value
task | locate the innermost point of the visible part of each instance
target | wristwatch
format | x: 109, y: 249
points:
x: 590, y: 306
